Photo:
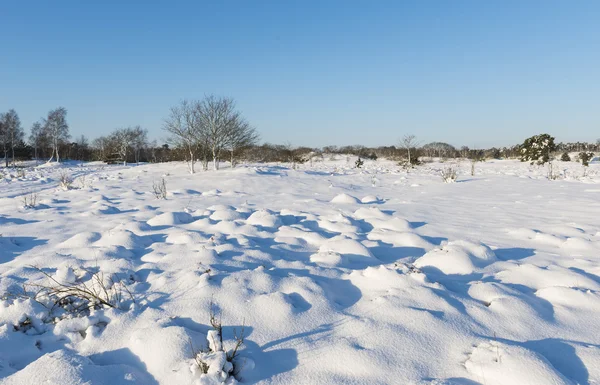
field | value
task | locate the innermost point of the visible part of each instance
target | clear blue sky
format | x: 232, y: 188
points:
x: 476, y: 73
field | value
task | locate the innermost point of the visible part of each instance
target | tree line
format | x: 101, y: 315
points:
x: 212, y: 130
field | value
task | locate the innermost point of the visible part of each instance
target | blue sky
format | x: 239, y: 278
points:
x: 476, y: 73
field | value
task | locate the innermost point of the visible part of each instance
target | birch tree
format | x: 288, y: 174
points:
x: 57, y: 130
x: 11, y: 133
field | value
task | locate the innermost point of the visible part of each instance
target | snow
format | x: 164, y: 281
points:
x: 335, y: 278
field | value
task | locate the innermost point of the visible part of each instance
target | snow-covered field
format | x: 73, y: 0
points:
x: 338, y: 275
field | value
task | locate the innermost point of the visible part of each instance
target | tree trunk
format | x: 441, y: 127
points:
x: 232, y: 163
x: 191, y: 160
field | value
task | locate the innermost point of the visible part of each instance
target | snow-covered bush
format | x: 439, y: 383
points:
x: 449, y: 174
x: 585, y: 157
x: 359, y: 163
x: 565, y: 157
x: 218, y: 365
x: 65, y: 181
x: 159, y: 189
x: 537, y: 149
x: 65, y: 294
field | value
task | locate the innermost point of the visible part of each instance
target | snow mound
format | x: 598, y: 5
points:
x: 84, y: 239
x: 265, y: 218
x: 495, y: 363
x: 65, y: 368
x: 226, y: 215
x: 185, y: 238
x: 123, y: 238
x: 371, y: 199
x: 458, y: 257
x: 344, y: 198
x: 370, y: 212
x: 170, y: 219
x: 338, y: 250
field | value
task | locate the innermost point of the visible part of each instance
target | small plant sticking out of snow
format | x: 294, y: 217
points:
x: 359, y: 163
x: 84, y: 182
x: 218, y: 365
x: 65, y: 181
x: 21, y: 173
x: 29, y: 200
x: 449, y: 174
x: 553, y: 174
x: 565, y: 157
x: 65, y: 295
x: 159, y: 189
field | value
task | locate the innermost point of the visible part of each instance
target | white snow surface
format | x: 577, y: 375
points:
x: 335, y: 279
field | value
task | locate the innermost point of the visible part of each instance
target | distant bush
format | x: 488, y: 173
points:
x: 565, y: 157
x: 65, y: 181
x: 359, y: 163
x: 449, y: 174
x: 585, y: 157
x: 537, y: 149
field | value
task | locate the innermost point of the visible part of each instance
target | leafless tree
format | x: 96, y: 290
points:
x: 11, y: 133
x: 408, y: 142
x: 37, y: 138
x: 101, y: 147
x: 140, y: 141
x: 183, y: 124
x: 241, y: 134
x: 123, y: 139
x: 217, y: 117
x: 57, y: 130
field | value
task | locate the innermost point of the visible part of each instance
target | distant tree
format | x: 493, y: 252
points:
x: 217, y: 117
x: 183, y: 123
x: 565, y: 157
x: 37, y: 138
x: 240, y: 134
x: 408, y: 142
x: 123, y: 139
x: 57, y: 130
x: 140, y: 141
x: 11, y: 132
x: 537, y: 149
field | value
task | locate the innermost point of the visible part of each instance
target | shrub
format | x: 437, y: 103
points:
x: 160, y: 189
x: 216, y: 360
x: 75, y: 297
x: 585, y: 157
x: 449, y: 174
x: 359, y: 163
x: 537, y: 149
x: 65, y: 181
x: 29, y: 200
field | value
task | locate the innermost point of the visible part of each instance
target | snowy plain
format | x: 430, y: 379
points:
x: 339, y: 275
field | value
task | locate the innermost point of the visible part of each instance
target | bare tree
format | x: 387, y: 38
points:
x: 123, y: 139
x: 11, y: 132
x: 408, y: 142
x: 183, y: 124
x: 241, y: 134
x: 57, y: 130
x: 140, y: 141
x: 101, y: 145
x: 37, y: 138
x: 217, y: 116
